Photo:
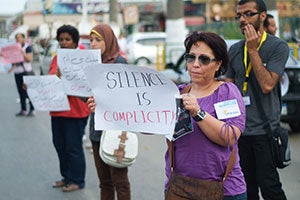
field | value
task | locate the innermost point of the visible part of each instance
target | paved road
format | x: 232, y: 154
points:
x: 29, y: 165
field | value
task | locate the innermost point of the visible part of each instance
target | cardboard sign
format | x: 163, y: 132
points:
x: 46, y: 93
x: 71, y: 63
x: 12, y: 54
x: 132, y: 98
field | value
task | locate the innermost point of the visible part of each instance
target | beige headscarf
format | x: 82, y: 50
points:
x: 111, y: 42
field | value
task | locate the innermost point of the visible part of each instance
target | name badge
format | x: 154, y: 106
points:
x: 227, y: 109
x: 247, y: 100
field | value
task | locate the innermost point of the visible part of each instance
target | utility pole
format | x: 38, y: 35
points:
x: 84, y: 26
x: 113, y: 11
x: 113, y: 16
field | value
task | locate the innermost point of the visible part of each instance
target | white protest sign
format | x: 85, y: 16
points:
x: 46, y: 93
x: 132, y: 98
x: 71, y: 63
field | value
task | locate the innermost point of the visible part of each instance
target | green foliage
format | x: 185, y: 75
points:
x: 228, y: 30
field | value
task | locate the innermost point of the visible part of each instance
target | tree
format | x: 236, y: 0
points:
x: 113, y: 11
x: 175, y: 29
x: 113, y: 16
x: 175, y: 9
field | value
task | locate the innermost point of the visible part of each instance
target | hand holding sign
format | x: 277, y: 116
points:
x: 132, y: 98
x: 71, y: 63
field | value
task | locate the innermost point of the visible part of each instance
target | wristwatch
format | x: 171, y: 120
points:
x: 200, y: 115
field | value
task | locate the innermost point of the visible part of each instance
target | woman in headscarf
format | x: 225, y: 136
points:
x: 111, y: 179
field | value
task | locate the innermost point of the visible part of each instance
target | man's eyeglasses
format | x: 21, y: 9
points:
x: 203, y: 59
x: 246, y: 15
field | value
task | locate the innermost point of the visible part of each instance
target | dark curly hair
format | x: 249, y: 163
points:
x: 214, y: 42
x: 68, y: 29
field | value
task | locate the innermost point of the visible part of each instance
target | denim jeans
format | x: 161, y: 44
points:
x: 67, y: 136
x: 242, y: 196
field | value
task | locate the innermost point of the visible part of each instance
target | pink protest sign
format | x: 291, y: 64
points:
x: 12, y: 54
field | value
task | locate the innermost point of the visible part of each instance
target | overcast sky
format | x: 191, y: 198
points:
x: 11, y: 7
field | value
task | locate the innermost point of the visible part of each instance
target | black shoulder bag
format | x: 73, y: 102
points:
x: 279, y: 138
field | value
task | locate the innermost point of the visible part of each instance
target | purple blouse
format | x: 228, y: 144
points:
x: 198, y: 157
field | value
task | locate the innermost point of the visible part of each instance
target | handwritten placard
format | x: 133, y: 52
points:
x: 47, y: 93
x: 71, y: 63
x: 132, y: 98
x: 12, y: 54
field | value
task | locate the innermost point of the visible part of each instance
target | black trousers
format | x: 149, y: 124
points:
x: 259, y: 169
x: 22, y: 93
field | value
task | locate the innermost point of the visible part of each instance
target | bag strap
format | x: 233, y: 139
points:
x: 120, y: 152
x: 261, y: 108
x: 232, y: 156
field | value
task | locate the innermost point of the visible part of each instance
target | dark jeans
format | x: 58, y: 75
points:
x: 236, y: 197
x: 67, y: 136
x: 111, y: 178
x: 259, y: 169
x: 22, y: 93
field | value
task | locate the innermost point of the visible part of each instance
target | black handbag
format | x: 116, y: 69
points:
x: 280, y: 147
x: 30, y: 73
x: 279, y: 138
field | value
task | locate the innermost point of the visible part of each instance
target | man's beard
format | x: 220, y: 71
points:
x: 256, y: 26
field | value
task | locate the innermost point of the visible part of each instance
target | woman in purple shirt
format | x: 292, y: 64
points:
x: 218, y: 118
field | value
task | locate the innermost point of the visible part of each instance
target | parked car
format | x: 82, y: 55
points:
x: 290, y: 112
x: 143, y: 47
x: 290, y: 88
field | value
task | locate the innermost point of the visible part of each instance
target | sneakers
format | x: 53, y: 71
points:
x: 21, y: 113
x: 31, y: 113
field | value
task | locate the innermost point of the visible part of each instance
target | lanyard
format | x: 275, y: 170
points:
x: 249, y: 68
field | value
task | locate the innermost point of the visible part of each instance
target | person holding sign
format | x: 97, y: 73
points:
x: 20, y: 69
x: 112, y: 179
x: 218, y: 118
x: 68, y: 126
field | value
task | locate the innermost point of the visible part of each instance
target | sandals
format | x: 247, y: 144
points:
x: 66, y: 187
x: 70, y: 188
x: 58, y: 184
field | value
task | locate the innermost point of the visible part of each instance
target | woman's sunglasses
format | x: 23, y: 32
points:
x: 203, y: 59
